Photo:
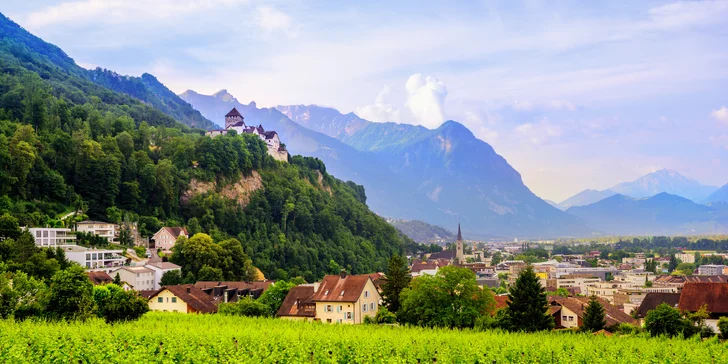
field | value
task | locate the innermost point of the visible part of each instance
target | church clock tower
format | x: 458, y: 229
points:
x: 459, y: 248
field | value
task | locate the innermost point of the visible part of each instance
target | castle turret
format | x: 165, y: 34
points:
x: 233, y: 117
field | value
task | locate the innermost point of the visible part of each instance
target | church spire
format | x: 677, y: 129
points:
x: 460, y: 235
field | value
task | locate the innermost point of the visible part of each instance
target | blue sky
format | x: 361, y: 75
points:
x: 574, y: 95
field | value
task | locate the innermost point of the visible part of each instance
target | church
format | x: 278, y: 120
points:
x: 235, y: 121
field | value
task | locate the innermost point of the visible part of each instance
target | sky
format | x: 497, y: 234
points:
x: 574, y: 94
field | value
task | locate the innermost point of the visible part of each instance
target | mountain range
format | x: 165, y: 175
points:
x: 422, y: 232
x: 661, y: 214
x: 720, y: 195
x: 651, y: 184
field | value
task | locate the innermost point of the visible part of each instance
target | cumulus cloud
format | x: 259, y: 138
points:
x: 380, y: 110
x: 426, y: 100
x: 720, y: 114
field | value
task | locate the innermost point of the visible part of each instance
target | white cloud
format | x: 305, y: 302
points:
x: 720, y: 114
x: 522, y: 105
x: 271, y: 19
x: 380, y: 110
x: 426, y: 100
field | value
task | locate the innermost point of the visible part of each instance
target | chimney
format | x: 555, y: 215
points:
x: 343, y: 273
x: 226, y: 296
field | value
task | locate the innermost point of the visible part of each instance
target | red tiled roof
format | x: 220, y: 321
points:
x: 99, y: 278
x: 694, y: 295
x: 239, y: 285
x: 654, y: 299
x: 337, y: 289
x: 501, y: 302
x: 192, y: 296
x: 420, y: 266
x: 613, y: 315
x: 298, y: 302
x: 233, y: 112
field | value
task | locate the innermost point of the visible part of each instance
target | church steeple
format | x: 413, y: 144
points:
x: 459, y: 254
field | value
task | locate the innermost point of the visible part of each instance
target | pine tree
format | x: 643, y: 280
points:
x: 527, y: 305
x: 117, y: 279
x: 594, y: 318
x: 397, y: 279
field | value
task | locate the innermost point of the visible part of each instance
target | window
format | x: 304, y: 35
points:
x: 328, y: 320
x: 348, y: 315
x: 366, y: 294
x: 364, y: 307
x: 339, y: 321
x: 329, y: 308
x: 564, y: 318
x: 371, y: 306
x: 326, y: 293
x: 338, y: 309
x: 160, y: 299
x: 174, y: 299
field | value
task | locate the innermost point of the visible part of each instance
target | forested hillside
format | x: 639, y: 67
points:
x: 67, y: 143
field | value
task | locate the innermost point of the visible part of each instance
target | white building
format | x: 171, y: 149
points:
x: 159, y: 269
x: 711, y: 269
x: 581, y: 282
x: 142, y: 278
x: 95, y: 259
x: 686, y: 257
x: 103, y: 229
x: 52, y: 237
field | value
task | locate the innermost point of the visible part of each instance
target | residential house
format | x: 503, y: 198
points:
x: 105, y: 230
x: 654, y: 299
x: 298, y: 304
x: 52, y: 237
x: 582, y: 281
x: 166, y: 237
x: 713, y: 295
x: 233, y: 291
x: 160, y: 268
x: 141, y: 278
x: 419, y: 268
x: 346, y: 299
x: 711, y: 269
x: 185, y: 298
x: 105, y: 260
x: 568, y: 312
x: 99, y: 278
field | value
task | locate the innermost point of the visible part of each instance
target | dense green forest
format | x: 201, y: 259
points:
x: 67, y: 143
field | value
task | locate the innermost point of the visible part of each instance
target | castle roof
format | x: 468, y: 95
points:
x: 270, y: 134
x: 234, y: 112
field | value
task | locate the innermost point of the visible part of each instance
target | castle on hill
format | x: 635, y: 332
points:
x: 235, y: 121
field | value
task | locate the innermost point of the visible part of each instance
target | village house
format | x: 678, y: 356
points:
x: 346, y: 299
x: 166, y: 237
x: 654, y: 299
x: 298, y: 304
x: 713, y: 295
x: 105, y: 230
x: 235, y: 121
x: 568, y: 312
x: 105, y: 260
x: 141, y: 278
x: 183, y: 298
x: 52, y: 237
x: 233, y: 291
x: 160, y: 268
x: 99, y: 278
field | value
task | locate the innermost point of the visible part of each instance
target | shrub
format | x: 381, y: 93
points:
x: 625, y: 329
x: 723, y: 327
x: 244, y: 307
x: 140, y: 251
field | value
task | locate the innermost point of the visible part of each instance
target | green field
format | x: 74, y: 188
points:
x: 167, y: 338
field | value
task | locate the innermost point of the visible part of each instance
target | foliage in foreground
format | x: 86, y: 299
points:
x: 159, y: 337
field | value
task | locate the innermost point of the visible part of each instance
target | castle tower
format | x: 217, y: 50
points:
x: 233, y: 117
x: 459, y: 247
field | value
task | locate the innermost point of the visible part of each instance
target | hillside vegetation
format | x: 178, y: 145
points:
x: 160, y: 337
x: 67, y: 143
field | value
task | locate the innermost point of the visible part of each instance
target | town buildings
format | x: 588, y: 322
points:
x: 52, y: 237
x: 103, y: 229
x: 140, y: 278
x: 160, y: 268
x: 165, y: 238
x: 711, y: 269
x: 343, y: 298
x: 105, y: 260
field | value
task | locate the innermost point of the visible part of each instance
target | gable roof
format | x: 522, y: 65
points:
x: 612, y: 314
x: 338, y: 289
x: 193, y: 297
x: 445, y: 254
x: 233, y: 112
x: 298, y: 302
x: 694, y: 295
x: 164, y: 265
x: 420, y: 266
x: 174, y: 231
x: 99, y: 278
x: 270, y: 134
x: 654, y: 299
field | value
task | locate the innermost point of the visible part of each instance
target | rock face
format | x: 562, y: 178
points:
x: 239, y: 191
